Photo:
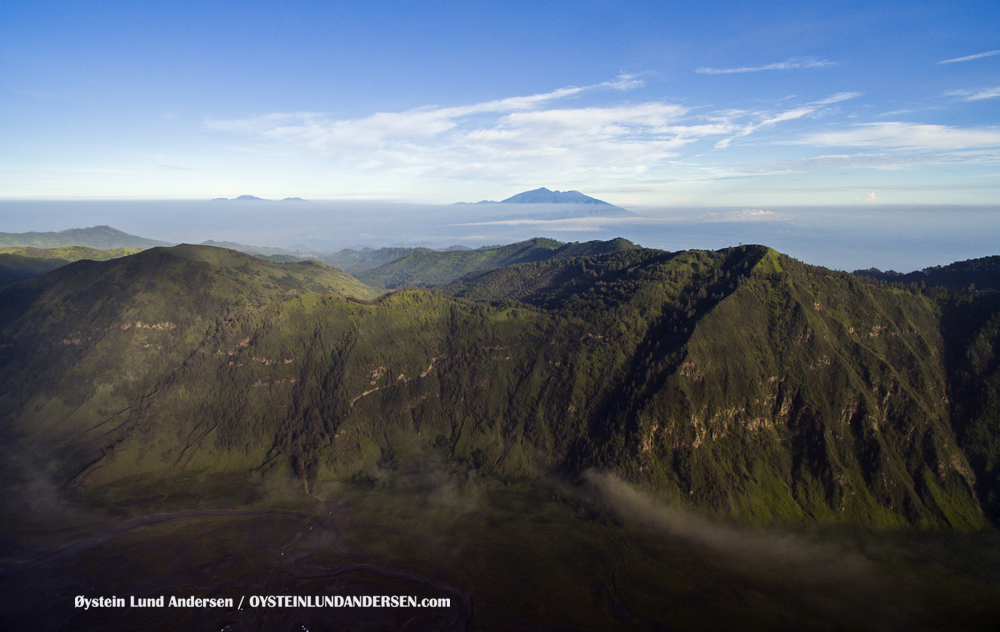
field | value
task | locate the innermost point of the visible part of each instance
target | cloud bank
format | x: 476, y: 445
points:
x: 540, y: 137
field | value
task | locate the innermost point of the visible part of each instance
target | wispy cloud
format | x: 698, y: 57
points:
x: 988, y: 53
x: 750, y: 128
x: 518, y: 137
x: 837, y: 98
x: 788, y: 64
x: 321, y: 133
x: 991, y: 93
x: 549, y: 137
x: 969, y: 95
x: 623, y: 82
x: 788, y: 115
x: 906, y: 135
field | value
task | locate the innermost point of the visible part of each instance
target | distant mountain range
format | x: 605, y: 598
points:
x: 254, y: 198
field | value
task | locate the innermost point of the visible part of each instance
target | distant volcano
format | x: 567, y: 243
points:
x: 571, y: 202
x: 254, y: 198
x: 242, y: 198
x: 544, y: 196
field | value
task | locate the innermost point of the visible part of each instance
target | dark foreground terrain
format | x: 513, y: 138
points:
x: 584, y: 436
x: 594, y: 557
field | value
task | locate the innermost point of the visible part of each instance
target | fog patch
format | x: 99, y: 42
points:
x: 437, y: 488
x: 828, y: 577
x: 32, y: 494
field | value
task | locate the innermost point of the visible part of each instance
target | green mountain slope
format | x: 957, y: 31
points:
x: 102, y: 237
x: 356, y: 261
x: 430, y: 268
x: 739, y: 382
x: 23, y: 262
x: 258, y: 251
x: 981, y: 273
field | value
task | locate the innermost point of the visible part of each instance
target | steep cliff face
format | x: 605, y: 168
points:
x: 804, y: 394
x: 740, y: 381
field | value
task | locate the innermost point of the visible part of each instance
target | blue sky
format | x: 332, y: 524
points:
x: 644, y: 104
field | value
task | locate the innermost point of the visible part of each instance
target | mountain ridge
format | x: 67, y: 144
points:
x: 100, y: 237
x: 18, y: 263
x: 831, y: 404
x: 432, y: 268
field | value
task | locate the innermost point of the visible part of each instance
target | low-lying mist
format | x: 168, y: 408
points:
x: 593, y: 551
x: 823, y: 572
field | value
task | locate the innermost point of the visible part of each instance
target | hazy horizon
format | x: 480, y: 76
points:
x: 899, y: 237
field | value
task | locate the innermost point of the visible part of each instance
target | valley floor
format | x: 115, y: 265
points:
x: 538, y: 556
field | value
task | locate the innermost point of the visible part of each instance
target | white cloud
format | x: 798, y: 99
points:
x: 624, y: 137
x: 972, y: 95
x: 750, y: 128
x: 989, y: 53
x: 789, y: 64
x: 320, y: 133
x: 906, y: 135
x: 746, y: 215
x: 788, y: 115
x: 513, y: 138
x: 623, y: 82
x: 991, y: 93
x: 871, y: 197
